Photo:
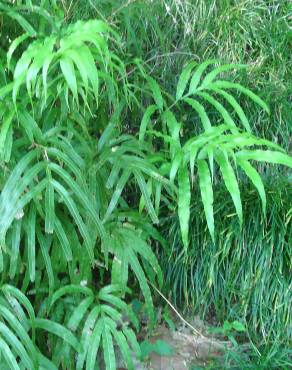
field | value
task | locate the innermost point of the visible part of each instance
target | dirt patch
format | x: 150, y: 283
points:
x: 188, y: 349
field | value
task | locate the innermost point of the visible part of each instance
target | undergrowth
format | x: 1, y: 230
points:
x: 98, y: 146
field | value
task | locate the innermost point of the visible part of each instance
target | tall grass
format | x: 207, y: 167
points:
x: 167, y: 33
x: 244, y: 275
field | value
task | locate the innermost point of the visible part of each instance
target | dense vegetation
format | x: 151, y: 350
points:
x: 136, y: 145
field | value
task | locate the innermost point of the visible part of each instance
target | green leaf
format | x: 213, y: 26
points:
x: 64, y: 242
x: 58, y: 330
x: 146, y: 349
x: 226, y: 116
x: 214, y: 73
x: 85, y: 200
x: 145, y: 120
x: 137, y: 269
x: 131, y: 337
x: 108, y: 349
x: 201, y: 112
x: 232, y: 101
x: 94, y: 345
x: 176, y: 163
x: 44, y: 243
x: 19, y: 329
x: 230, y: 85
x: 238, y: 326
x: 8, y: 355
x: 6, y: 123
x: 79, y: 313
x: 15, y: 243
x: 206, y: 194
x: 143, y: 187
x: 156, y: 92
x: 255, y: 179
x: 49, y: 208
x: 87, y: 340
x: 184, y: 199
x: 198, y: 74
x: 79, y: 62
x: 16, y: 345
x: 184, y: 79
x: 265, y: 156
x: 89, y: 63
x: 162, y: 348
x: 69, y: 289
x: 76, y: 216
x: 10, y: 290
x: 124, y: 348
x: 230, y: 182
x: 173, y: 126
x: 14, y: 45
x: 68, y: 70
x: 117, y: 193
x: 20, y: 19
x: 31, y: 222
x: 106, y: 136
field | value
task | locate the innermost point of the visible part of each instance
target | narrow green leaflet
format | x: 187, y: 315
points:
x: 230, y: 182
x: 87, y: 341
x: 68, y: 70
x: 176, y: 163
x: 6, y: 123
x: 49, y: 208
x: 265, y: 156
x: 79, y: 313
x: 94, y: 345
x: 201, y: 112
x: 184, y: 200
x: 198, y: 74
x: 124, y: 348
x: 19, y: 329
x: 44, y: 243
x: 64, y: 242
x: 31, y: 222
x: 255, y: 179
x: 14, y: 45
x: 117, y: 193
x: 10, y: 290
x: 184, y: 79
x: 214, y: 73
x: 131, y: 337
x: 143, y: 187
x: 16, y: 345
x: 145, y: 121
x: 69, y: 289
x: 59, y: 330
x: 8, y: 355
x: 136, y: 267
x: 230, y: 85
x: 156, y: 92
x: 173, y: 126
x: 225, y: 114
x: 232, y: 101
x: 15, y: 243
x: 206, y: 194
x: 76, y: 216
x: 108, y: 349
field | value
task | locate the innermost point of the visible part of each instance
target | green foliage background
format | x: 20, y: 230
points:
x: 131, y: 133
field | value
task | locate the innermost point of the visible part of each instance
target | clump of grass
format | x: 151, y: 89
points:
x: 169, y: 33
x: 245, y: 274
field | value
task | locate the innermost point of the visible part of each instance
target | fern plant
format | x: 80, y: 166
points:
x: 226, y: 144
x: 61, y: 197
x: 75, y: 186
